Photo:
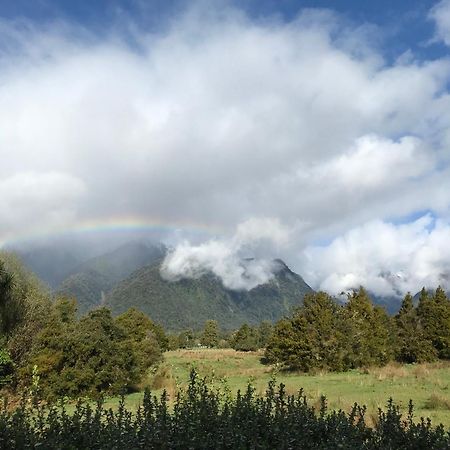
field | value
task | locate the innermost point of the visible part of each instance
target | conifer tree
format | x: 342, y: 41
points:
x: 210, y: 334
x: 312, y: 338
x: 412, y: 344
x: 434, y: 314
x: 368, y: 332
x: 265, y: 331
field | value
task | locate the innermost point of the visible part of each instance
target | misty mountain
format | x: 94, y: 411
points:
x: 51, y: 263
x: 91, y: 280
x: 188, y: 303
x: 391, y: 304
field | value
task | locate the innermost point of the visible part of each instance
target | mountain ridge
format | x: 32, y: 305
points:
x: 92, y: 279
x: 189, y: 302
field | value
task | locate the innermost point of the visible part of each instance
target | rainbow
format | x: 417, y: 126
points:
x: 111, y: 224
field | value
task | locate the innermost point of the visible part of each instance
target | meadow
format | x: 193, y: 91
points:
x: 228, y: 371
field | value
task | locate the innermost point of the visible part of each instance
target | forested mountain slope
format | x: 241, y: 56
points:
x: 188, y: 303
x: 94, y: 278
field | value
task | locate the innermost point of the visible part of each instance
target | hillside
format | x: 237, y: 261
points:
x: 91, y: 280
x: 188, y: 303
x: 51, y: 263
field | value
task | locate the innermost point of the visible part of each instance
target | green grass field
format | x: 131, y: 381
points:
x: 426, y: 384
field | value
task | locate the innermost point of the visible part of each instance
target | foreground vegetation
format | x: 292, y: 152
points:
x: 427, y: 384
x: 202, y: 419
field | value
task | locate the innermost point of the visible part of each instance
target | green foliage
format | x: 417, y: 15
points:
x: 11, y: 305
x: 367, y: 334
x: 265, y: 331
x: 324, y: 335
x: 92, y: 355
x: 6, y: 367
x: 210, y: 334
x: 312, y: 338
x: 24, y: 307
x: 412, y: 344
x: 434, y: 315
x: 143, y: 337
x: 187, y: 339
x: 245, y: 339
x: 199, y: 419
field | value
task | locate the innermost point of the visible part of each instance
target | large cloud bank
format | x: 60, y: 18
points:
x: 220, y: 118
x: 388, y: 260
x: 226, y: 258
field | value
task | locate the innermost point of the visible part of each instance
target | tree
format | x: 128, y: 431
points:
x: 245, y: 339
x: 187, y: 339
x: 11, y: 305
x: 24, y: 309
x: 91, y: 355
x: 66, y: 309
x: 312, y: 338
x: 210, y: 334
x: 6, y: 366
x: 143, y: 337
x: 412, y: 344
x: 265, y: 331
x: 367, y: 336
x: 434, y: 315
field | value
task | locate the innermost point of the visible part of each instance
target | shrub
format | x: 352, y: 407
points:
x: 199, y: 419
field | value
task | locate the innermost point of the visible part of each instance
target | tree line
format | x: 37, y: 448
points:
x: 325, y: 334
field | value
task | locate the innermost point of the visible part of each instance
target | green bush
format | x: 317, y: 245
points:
x: 199, y: 419
x: 93, y: 355
x: 6, y: 367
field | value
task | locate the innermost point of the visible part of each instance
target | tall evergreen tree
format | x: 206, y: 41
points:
x: 210, y: 334
x: 368, y: 332
x: 412, y: 344
x: 312, y: 338
x: 265, y: 331
x: 434, y: 314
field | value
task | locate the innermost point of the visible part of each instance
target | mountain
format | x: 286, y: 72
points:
x: 391, y: 304
x: 52, y: 264
x: 188, y: 303
x: 91, y: 280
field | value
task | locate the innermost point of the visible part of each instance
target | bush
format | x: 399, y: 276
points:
x: 6, y: 367
x: 93, y: 355
x: 199, y: 419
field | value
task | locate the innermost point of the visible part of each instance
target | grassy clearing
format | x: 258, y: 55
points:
x: 426, y: 384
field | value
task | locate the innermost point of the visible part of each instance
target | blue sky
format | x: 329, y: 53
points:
x: 316, y: 131
x: 403, y: 22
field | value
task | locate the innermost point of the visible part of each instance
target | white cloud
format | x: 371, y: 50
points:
x: 219, y: 119
x: 226, y: 259
x: 387, y: 259
x: 26, y: 196
x: 216, y: 123
x: 440, y: 13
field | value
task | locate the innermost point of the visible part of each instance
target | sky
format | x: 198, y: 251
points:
x: 315, y: 131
